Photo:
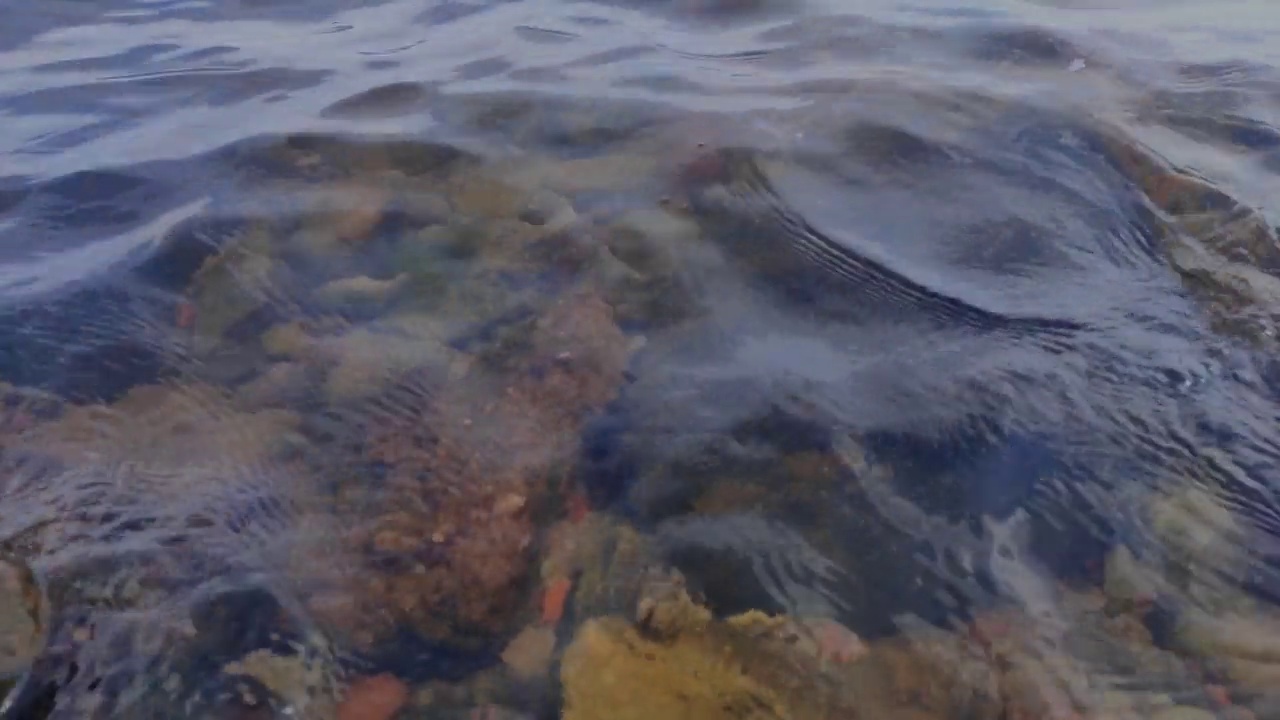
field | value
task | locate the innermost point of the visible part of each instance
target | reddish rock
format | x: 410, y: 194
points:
x: 704, y: 169
x: 185, y: 315
x: 577, y: 507
x: 553, y: 599
x: 836, y: 642
x: 373, y: 698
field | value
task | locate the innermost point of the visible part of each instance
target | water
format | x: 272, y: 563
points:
x: 438, y: 357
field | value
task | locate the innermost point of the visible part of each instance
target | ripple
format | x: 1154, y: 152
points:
x: 1021, y: 258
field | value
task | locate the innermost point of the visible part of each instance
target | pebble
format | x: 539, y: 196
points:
x: 528, y: 655
x: 378, y: 697
x: 554, y: 598
x: 360, y: 289
x: 287, y: 340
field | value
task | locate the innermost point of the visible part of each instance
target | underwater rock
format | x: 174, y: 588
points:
x: 1106, y: 665
x: 613, y: 669
x: 529, y: 653
x: 287, y: 340
x: 164, y: 426
x: 364, y: 359
x: 646, y: 283
x: 23, y: 620
x: 926, y: 673
x: 325, y: 156
x: 606, y: 558
x: 360, y: 212
x: 302, y: 683
x: 418, y: 202
x: 230, y: 286
x: 484, y: 197
x: 360, y: 289
x: 1244, y: 648
x: 1195, y: 568
x: 678, y: 661
x: 477, y: 268
x: 765, y: 515
x: 446, y: 544
x: 613, y: 172
x: 149, y: 498
x: 1227, y: 253
x: 378, y: 697
x: 1126, y: 582
x: 1196, y: 529
x: 23, y: 408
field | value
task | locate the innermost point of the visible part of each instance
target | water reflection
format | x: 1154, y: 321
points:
x: 707, y: 359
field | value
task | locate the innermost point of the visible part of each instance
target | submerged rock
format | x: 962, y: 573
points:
x: 164, y: 428
x: 23, y: 623
x: 360, y: 289
x: 733, y: 669
x: 678, y: 661
x: 230, y: 286
x: 1226, y: 252
x: 146, y: 516
x: 303, y: 684
x: 1195, y: 570
x: 445, y: 542
x: 373, y: 698
x: 529, y: 654
x: 364, y: 359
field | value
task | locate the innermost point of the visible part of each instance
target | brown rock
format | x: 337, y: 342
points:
x: 926, y: 675
x: 445, y: 543
x: 746, y: 667
x: 481, y: 196
x: 22, y: 617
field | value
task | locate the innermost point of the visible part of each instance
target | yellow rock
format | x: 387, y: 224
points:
x: 667, y: 610
x: 611, y: 672
x: 300, y: 681
x: 287, y: 340
x: 1254, y: 638
x: 1125, y: 580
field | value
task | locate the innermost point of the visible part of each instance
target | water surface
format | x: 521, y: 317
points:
x: 373, y: 340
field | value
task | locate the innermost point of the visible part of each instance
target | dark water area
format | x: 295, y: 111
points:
x: 609, y: 358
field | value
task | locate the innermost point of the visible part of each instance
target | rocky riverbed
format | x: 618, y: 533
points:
x: 620, y: 430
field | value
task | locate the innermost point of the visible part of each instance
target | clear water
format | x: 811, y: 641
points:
x: 904, y: 315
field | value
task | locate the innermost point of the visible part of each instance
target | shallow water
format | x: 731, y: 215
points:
x: 358, y: 332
